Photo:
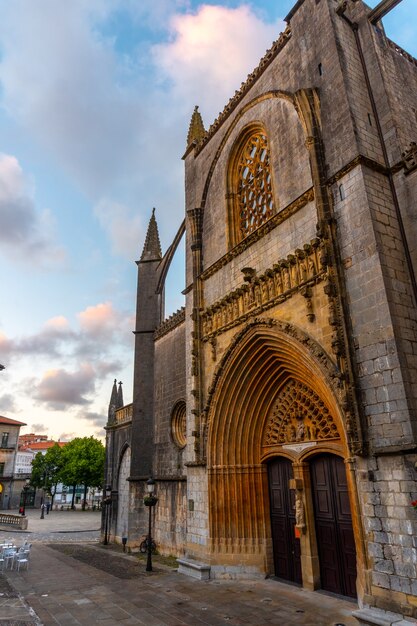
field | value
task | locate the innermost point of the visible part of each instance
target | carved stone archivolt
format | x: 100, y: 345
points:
x: 297, y: 273
x: 329, y: 371
x: 298, y: 415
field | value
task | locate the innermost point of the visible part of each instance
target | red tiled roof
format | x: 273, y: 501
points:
x: 8, y: 420
x: 43, y: 445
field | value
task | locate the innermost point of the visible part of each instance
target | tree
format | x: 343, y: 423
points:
x: 83, y: 464
x: 46, y: 470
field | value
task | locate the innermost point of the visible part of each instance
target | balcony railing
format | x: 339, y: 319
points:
x: 124, y: 414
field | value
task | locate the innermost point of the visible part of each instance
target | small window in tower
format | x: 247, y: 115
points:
x: 369, y: 119
x: 320, y: 67
x: 342, y: 194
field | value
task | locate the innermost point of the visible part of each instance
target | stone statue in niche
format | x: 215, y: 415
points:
x: 264, y: 291
x: 278, y: 283
x: 294, y: 274
x: 286, y: 275
x: 300, y: 518
x: 301, y: 429
x: 311, y: 267
x: 303, y: 271
x: 292, y: 434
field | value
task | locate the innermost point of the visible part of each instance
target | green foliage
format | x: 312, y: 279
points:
x: 83, y: 462
x: 46, y: 469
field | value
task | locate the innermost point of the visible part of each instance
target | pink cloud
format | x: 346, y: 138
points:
x: 99, y: 319
x: 59, y: 388
x: 212, y: 51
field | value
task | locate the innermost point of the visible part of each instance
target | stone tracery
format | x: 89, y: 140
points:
x: 255, y: 203
x: 297, y: 415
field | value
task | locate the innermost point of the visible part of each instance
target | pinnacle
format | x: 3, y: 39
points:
x: 196, y: 130
x: 152, y: 247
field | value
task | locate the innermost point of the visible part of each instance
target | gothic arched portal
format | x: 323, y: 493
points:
x: 273, y: 396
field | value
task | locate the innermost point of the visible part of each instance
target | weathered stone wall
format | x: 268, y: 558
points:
x: 386, y: 487
x: 169, y: 389
x: 170, y: 516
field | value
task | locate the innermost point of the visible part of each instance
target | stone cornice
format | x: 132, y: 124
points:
x: 169, y: 324
x: 406, y: 55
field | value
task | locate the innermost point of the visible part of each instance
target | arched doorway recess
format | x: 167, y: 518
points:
x: 274, y: 394
x: 123, y: 495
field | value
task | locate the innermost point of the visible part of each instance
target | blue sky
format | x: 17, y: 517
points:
x: 95, y: 102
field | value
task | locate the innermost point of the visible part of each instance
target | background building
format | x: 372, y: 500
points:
x: 277, y: 412
x: 10, y: 483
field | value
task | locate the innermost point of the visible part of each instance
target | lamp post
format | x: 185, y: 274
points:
x: 150, y: 500
x: 25, y: 491
x: 107, y: 503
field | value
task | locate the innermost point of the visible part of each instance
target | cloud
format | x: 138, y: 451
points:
x: 212, y: 51
x: 51, y: 340
x: 94, y: 418
x: 65, y: 83
x: 39, y: 428
x: 25, y: 233
x: 60, y: 389
x: 113, y: 218
x: 8, y: 403
x: 99, y: 319
x: 101, y: 326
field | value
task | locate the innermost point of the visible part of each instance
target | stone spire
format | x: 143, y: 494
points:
x: 196, y: 130
x: 152, y: 247
x: 120, y: 396
x: 113, y: 403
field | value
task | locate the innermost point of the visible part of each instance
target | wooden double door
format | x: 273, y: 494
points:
x: 287, y: 553
x: 333, y: 524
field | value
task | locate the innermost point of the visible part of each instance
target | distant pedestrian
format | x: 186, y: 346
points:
x: 48, y: 506
x: 43, y: 507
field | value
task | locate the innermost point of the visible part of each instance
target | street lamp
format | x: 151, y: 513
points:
x: 107, y: 503
x: 150, y: 500
x: 25, y: 491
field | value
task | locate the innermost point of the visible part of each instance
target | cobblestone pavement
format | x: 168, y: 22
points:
x: 71, y: 583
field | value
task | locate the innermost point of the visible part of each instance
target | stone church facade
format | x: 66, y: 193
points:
x: 277, y: 412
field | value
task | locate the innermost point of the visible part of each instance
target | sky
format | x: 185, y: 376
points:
x: 95, y: 102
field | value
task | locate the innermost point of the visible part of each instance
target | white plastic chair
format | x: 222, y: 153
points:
x: 8, y: 556
x: 22, y: 557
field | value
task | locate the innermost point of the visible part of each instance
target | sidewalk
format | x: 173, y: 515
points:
x: 100, y: 585
x: 77, y: 525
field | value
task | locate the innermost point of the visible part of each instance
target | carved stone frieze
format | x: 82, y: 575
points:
x: 298, y: 415
x: 297, y: 273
